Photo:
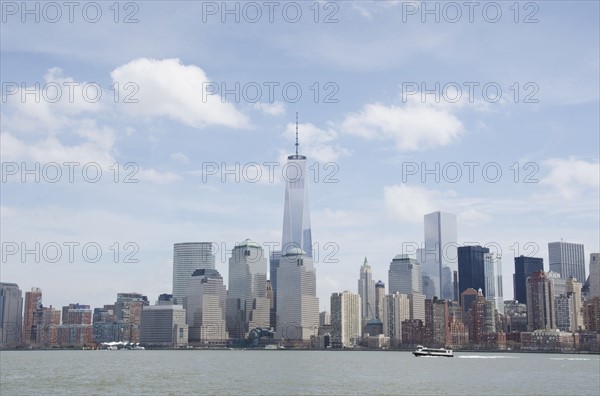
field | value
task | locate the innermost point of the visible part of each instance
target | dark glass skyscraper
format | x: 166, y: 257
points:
x: 471, y: 268
x: 524, y: 267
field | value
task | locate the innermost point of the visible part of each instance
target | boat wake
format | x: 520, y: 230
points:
x: 487, y: 357
x: 570, y: 359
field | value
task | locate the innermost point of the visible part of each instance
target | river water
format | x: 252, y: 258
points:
x: 236, y: 372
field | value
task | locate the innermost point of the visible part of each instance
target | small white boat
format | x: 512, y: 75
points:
x: 422, y: 351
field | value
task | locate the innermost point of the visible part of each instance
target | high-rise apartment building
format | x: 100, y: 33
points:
x: 11, y: 315
x: 540, y: 302
x: 247, y: 304
x: 438, y: 258
x: 366, y: 290
x: 205, y: 306
x: 404, y: 275
x: 567, y: 259
x: 437, y: 321
x: 524, y: 267
x: 398, y: 310
x: 346, y: 318
x: 471, y: 268
x: 31, y: 309
x: 297, y: 302
x: 482, y: 321
x: 188, y: 257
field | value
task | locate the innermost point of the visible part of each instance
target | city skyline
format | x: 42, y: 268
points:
x: 381, y: 152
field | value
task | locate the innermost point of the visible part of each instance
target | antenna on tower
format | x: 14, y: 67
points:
x: 296, y: 133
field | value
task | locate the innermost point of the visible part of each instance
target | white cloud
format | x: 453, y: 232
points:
x: 318, y: 144
x: 273, y: 109
x: 414, y: 126
x: 154, y: 176
x: 51, y: 104
x: 181, y: 92
x: 409, y: 204
x: 180, y: 157
x: 571, y: 177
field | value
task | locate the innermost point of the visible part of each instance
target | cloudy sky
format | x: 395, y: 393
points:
x: 127, y: 129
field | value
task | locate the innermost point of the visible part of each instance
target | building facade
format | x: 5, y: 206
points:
x: 205, y: 306
x: 438, y: 257
x: 296, y: 214
x: 297, y: 302
x: 540, y: 302
x: 11, y: 315
x: 398, y: 310
x: 346, y: 319
x: 188, y: 257
x: 366, y: 290
x: 247, y: 304
x: 567, y: 259
x: 164, y: 326
x: 524, y: 267
x: 471, y: 268
x: 493, y: 280
x: 594, y: 275
x: 404, y: 275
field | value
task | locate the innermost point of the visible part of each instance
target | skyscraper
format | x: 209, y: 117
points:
x: 345, y: 319
x: 366, y: 290
x: 493, y: 280
x: 274, y: 259
x: 11, y: 315
x: 398, y: 310
x: 380, y: 300
x: 296, y: 214
x: 524, y: 267
x: 404, y: 275
x: 594, y: 275
x: 205, y: 306
x: 567, y: 259
x: 188, y: 257
x: 540, y: 302
x: 297, y: 302
x: 33, y: 305
x: 247, y: 303
x: 471, y: 268
x: 438, y: 257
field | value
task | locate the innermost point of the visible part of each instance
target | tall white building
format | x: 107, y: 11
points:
x: 205, y: 307
x: 594, y: 275
x: 346, y: 328
x: 404, y: 275
x: 188, y: 257
x: 493, y: 280
x: 398, y: 310
x: 296, y: 214
x: 297, y: 302
x: 366, y: 290
x: 247, y: 303
x: 439, y: 256
x: 567, y: 259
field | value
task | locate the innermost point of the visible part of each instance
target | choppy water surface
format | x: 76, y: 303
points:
x: 294, y: 372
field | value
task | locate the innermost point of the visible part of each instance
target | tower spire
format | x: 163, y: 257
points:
x: 296, y: 133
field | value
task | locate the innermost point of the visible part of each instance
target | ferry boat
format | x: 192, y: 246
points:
x: 422, y: 351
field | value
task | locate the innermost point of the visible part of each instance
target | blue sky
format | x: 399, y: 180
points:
x: 363, y: 132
